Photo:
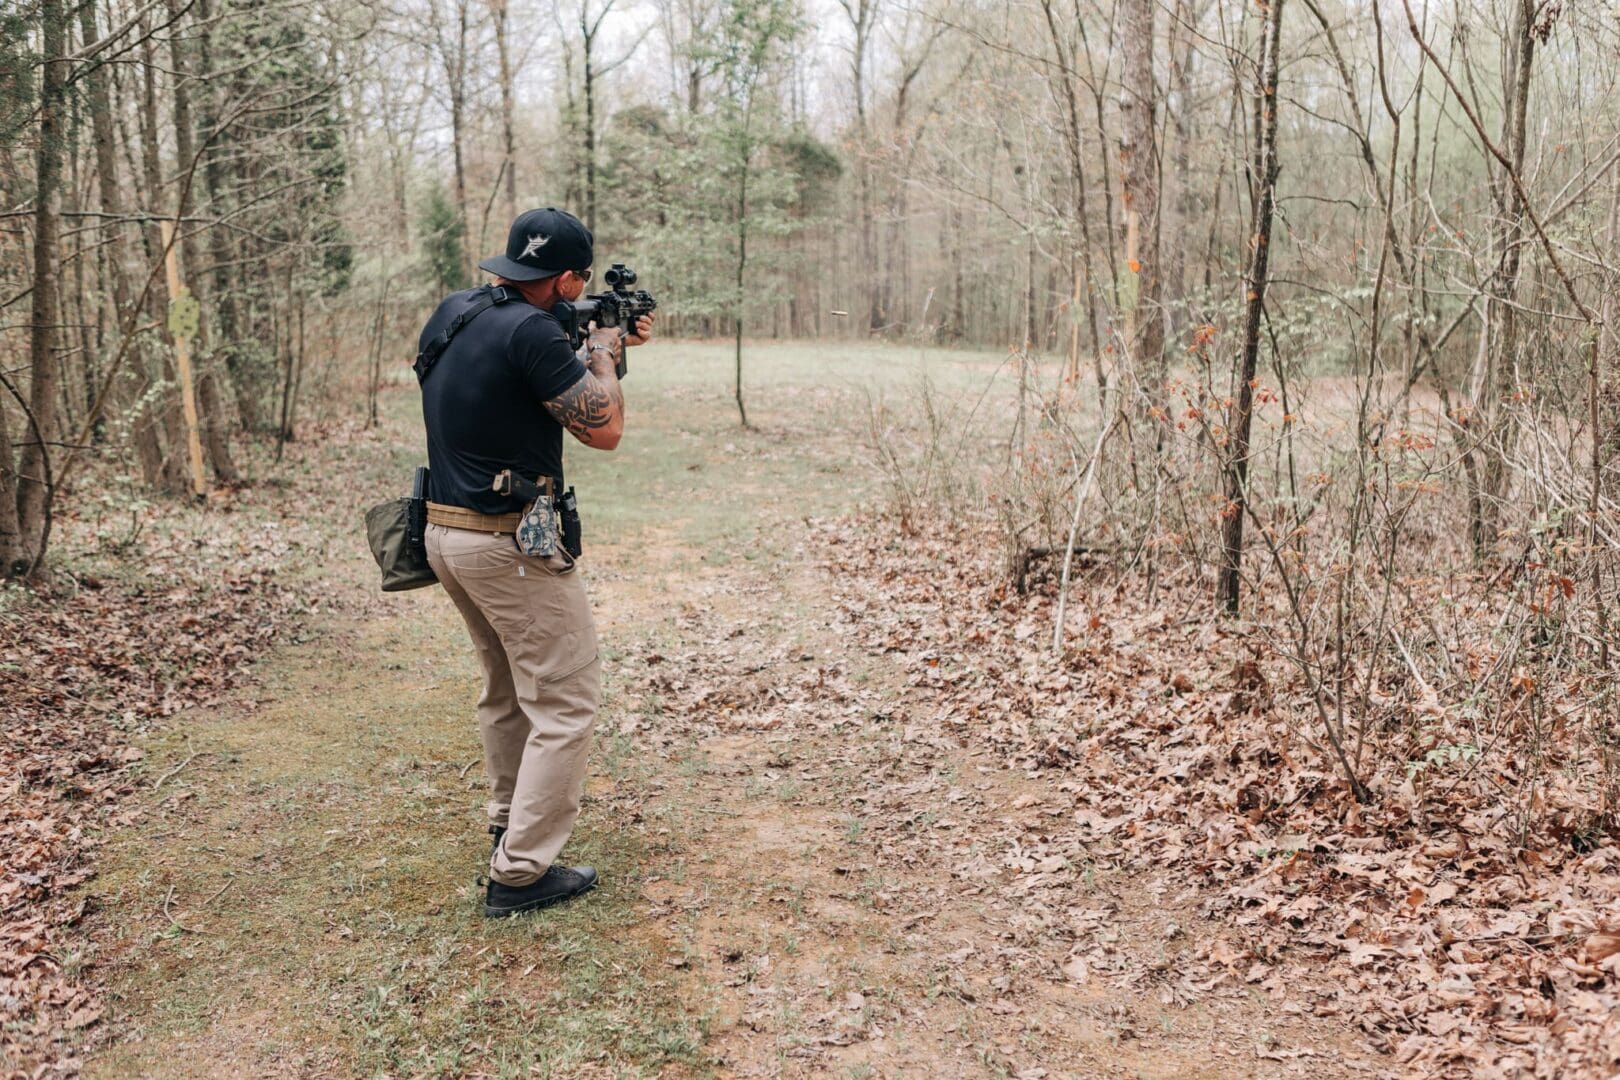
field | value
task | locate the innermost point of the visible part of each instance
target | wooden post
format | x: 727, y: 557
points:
x: 183, y: 310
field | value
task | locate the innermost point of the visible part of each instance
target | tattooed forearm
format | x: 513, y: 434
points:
x: 593, y: 409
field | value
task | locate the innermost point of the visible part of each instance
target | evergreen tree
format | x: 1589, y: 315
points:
x: 715, y: 194
x: 442, y: 231
x: 18, y: 64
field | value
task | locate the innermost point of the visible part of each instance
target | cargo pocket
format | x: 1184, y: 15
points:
x: 551, y: 660
x: 562, y: 637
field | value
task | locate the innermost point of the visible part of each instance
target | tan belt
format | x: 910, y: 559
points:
x: 459, y: 517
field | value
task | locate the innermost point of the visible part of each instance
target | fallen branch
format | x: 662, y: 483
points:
x: 166, y: 913
x: 176, y: 770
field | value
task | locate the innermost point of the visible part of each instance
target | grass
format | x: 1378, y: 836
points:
x: 349, y: 926
x: 302, y: 898
x: 685, y: 470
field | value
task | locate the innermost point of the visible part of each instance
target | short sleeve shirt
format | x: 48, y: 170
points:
x: 484, y: 401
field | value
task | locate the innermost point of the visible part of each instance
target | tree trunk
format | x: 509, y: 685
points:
x: 1497, y: 375
x: 34, y: 485
x: 1139, y: 158
x: 742, y: 267
x: 957, y: 327
x: 1072, y: 137
x: 1031, y: 329
x: 1266, y: 168
x: 588, y: 34
x: 455, y: 70
x: 904, y: 145
x: 12, y: 559
x: 862, y: 14
x: 289, y: 424
x: 71, y: 304
x: 501, y: 13
x: 114, y: 261
x: 221, y: 249
x: 1108, y: 198
x: 214, y: 422
x: 1181, y: 57
x: 165, y: 407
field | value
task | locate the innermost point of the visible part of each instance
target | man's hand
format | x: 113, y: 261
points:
x: 610, y: 338
x: 643, y: 332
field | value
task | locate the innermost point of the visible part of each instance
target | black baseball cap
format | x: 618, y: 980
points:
x: 542, y: 244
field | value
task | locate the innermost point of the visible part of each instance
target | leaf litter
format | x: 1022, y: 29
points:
x: 1172, y: 748
x: 91, y: 664
x: 834, y: 810
x: 1457, y: 935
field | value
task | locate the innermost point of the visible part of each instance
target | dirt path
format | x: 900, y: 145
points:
x: 872, y: 900
x: 798, y: 881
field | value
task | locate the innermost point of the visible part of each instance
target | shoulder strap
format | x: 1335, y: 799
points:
x: 496, y: 294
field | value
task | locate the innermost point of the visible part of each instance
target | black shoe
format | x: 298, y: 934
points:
x: 495, y: 832
x: 559, y: 883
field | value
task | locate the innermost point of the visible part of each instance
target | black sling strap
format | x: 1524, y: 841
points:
x: 496, y: 294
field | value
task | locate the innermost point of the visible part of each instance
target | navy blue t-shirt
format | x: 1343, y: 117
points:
x: 483, y: 402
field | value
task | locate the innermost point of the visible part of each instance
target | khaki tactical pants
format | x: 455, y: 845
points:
x: 531, y: 623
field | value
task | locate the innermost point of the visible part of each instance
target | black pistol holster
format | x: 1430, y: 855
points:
x: 416, y: 515
x: 568, y: 510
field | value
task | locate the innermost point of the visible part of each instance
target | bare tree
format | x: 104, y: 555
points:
x: 500, y: 11
x: 1255, y: 282
x: 214, y: 423
x: 1182, y: 49
x: 1496, y: 366
x: 24, y: 548
x: 451, y: 46
x: 863, y: 16
x: 1139, y: 161
x: 161, y: 374
x: 686, y: 27
x: 115, y: 266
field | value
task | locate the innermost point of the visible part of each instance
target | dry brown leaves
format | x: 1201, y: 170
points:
x: 975, y: 872
x: 82, y: 673
x: 1461, y: 944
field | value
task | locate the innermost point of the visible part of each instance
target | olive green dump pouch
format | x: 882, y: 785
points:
x: 395, y: 531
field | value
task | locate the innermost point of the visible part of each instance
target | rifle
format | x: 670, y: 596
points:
x: 620, y: 307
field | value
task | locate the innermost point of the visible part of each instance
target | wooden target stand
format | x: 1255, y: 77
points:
x: 185, y: 315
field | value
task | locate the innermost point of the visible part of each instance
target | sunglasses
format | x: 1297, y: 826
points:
x: 583, y: 275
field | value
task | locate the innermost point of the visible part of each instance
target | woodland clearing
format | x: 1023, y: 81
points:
x: 1113, y: 571
x: 849, y: 822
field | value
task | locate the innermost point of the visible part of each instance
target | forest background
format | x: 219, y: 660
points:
x: 1097, y: 184
x: 1308, y: 307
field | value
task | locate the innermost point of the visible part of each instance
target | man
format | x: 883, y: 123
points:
x: 499, y: 397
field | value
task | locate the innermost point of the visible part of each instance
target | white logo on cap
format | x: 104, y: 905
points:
x: 536, y: 242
